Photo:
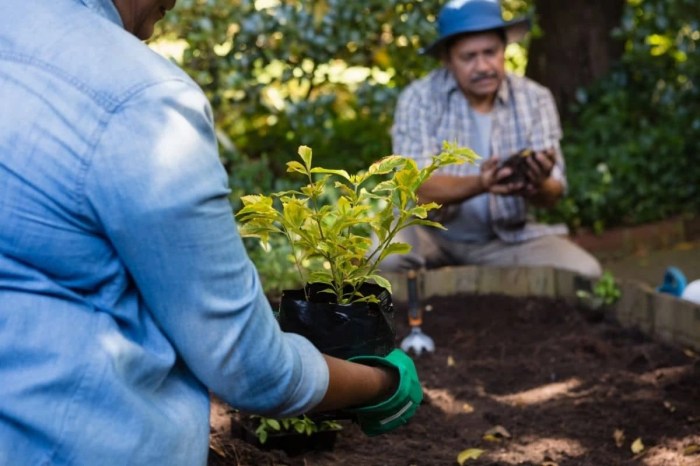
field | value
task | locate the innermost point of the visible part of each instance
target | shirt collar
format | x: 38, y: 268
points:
x: 106, y: 9
x: 449, y: 84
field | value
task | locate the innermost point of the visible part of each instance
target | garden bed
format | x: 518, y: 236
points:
x: 530, y: 381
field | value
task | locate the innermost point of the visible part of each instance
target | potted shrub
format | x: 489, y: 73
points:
x: 345, y: 308
x: 329, y: 222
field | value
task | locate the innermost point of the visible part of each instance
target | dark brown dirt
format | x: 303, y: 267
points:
x: 557, y: 385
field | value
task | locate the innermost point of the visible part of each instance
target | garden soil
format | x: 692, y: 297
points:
x: 528, y: 381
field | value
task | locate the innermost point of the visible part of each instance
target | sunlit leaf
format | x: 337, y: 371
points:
x: 637, y: 446
x: 295, y: 214
x: 469, y: 454
x: 295, y: 166
x: 386, y: 164
x: 691, y: 449
x: 306, y: 155
x: 341, y: 173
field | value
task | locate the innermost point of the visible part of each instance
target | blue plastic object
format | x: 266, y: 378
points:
x: 674, y: 282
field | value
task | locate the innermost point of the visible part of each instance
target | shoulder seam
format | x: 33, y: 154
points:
x: 109, y: 103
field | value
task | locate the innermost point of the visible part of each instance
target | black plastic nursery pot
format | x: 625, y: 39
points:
x: 340, y: 330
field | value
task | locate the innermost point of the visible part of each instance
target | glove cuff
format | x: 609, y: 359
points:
x: 399, y: 407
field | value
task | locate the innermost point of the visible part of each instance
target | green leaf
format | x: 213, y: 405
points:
x: 419, y: 211
x: 381, y: 281
x: 341, y: 173
x: 295, y: 214
x: 395, y: 248
x: 384, y: 186
x: 427, y: 223
x: 295, y: 166
x: 256, y: 199
x: 388, y: 164
x: 408, y: 180
x: 452, y: 153
x: 306, y: 155
x: 273, y: 423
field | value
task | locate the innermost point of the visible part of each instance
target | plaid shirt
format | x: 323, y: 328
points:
x: 433, y: 109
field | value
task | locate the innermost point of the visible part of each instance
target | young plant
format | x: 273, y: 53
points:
x: 605, y: 291
x: 332, y: 242
x: 298, y: 424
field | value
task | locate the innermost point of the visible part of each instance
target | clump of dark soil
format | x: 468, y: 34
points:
x: 530, y: 381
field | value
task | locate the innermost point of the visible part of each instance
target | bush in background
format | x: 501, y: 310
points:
x: 633, y: 144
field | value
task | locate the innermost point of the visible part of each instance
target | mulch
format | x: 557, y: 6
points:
x: 527, y: 381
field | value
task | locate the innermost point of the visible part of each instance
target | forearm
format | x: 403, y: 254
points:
x: 352, y: 384
x: 448, y: 189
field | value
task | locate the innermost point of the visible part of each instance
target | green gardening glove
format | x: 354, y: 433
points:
x: 401, y: 406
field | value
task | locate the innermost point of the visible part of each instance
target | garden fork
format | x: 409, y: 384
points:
x: 416, y: 341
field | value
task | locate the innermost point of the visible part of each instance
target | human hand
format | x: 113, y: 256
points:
x: 538, y: 167
x: 500, y: 178
x: 399, y: 407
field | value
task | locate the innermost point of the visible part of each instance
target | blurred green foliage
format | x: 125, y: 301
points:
x: 326, y: 73
x: 633, y: 144
x: 323, y: 73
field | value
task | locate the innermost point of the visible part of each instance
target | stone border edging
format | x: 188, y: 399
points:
x: 659, y: 315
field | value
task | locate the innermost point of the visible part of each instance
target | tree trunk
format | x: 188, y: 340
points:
x: 576, y: 46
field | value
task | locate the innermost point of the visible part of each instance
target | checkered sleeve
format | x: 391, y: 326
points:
x: 412, y: 133
x: 547, y: 132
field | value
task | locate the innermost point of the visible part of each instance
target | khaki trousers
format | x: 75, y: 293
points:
x: 431, y: 250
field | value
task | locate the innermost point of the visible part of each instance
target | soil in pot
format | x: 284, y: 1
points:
x: 530, y: 381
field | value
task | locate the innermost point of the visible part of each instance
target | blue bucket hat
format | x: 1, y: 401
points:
x: 462, y: 16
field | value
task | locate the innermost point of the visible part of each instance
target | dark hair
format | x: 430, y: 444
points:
x: 450, y: 41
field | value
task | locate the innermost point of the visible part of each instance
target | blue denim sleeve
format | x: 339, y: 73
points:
x: 157, y: 187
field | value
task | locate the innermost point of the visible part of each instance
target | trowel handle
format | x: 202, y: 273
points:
x: 415, y: 316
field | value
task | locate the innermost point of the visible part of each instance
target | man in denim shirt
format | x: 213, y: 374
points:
x: 472, y: 101
x: 125, y: 291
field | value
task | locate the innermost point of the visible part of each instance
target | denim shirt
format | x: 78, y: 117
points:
x: 125, y: 291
